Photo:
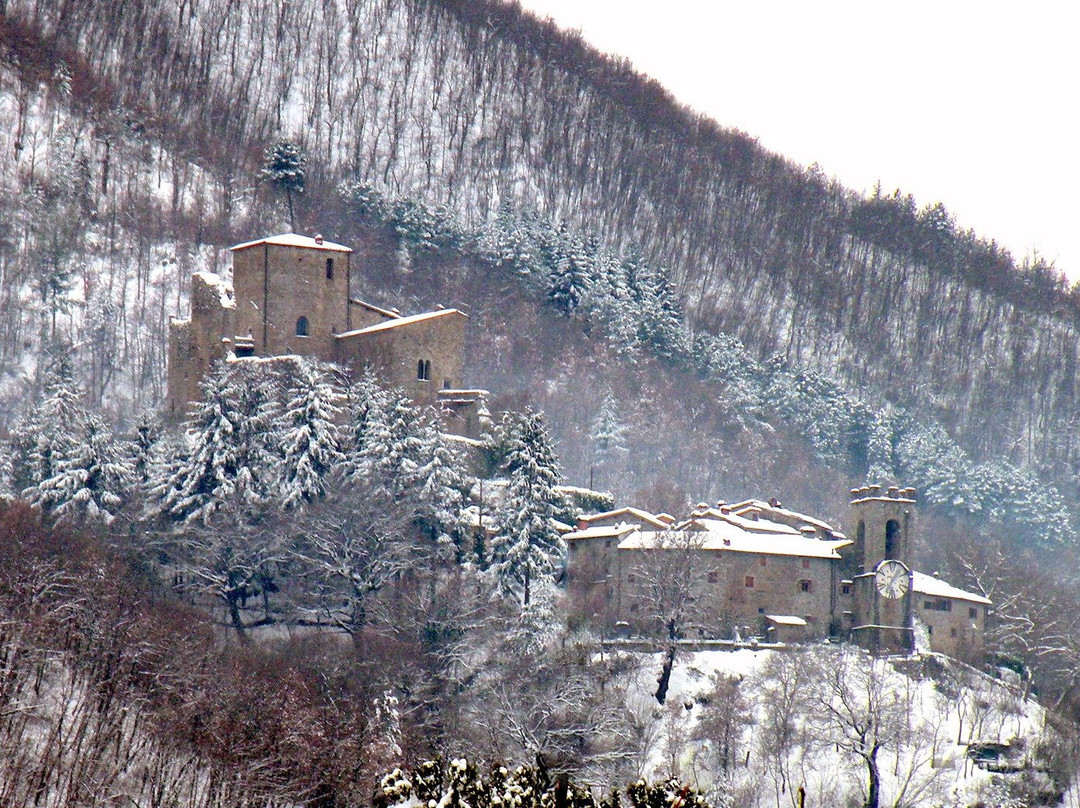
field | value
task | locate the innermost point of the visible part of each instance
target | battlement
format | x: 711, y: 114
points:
x: 874, y: 492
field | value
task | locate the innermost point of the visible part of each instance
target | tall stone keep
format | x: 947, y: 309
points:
x: 292, y: 294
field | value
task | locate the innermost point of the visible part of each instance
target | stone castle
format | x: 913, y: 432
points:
x: 758, y: 569
x: 292, y: 295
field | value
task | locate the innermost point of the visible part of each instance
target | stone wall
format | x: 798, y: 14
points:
x: 395, y: 350
x: 957, y: 627
x: 195, y: 344
x: 731, y: 590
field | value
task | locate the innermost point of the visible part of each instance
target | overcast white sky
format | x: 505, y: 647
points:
x: 976, y: 105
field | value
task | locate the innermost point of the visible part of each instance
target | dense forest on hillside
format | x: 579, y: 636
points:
x: 474, y: 105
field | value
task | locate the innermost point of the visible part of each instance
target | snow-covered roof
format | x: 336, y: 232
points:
x: 601, y: 532
x: 924, y: 584
x: 294, y: 240
x: 785, y: 513
x: 726, y: 536
x: 785, y: 619
x: 635, y: 514
x: 742, y: 522
x: 400, y: 322
x: 387, y: 313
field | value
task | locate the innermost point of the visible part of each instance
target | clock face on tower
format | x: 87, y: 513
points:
x: 892, y: 579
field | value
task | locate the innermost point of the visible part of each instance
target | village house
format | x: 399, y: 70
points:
x: 293, y: 295
x: 754, y: 568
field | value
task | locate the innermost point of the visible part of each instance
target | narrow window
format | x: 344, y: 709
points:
x: 806, y: 563
x: 928, y: 604
x: 761, y: 561
x: 973, y: 612
x: 892, y: 538
x: 423, y: 370
x: 329, y: 269
x: 446, y: 384
x: 749, y: 581
x: 804, y: 585
x: 301, y: 327
x: 845, y: 589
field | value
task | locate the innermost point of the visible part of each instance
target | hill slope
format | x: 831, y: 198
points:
x: 475, y: 105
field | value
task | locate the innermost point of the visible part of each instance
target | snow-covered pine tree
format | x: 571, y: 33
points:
x: 48, y: 431
x: 571, y: 272
x: 227, y: 459
x: 881, y: 465
x: 286, y: 169
x: 395, y: 445
x: 310, y: 443
x: 527, y: 544
x: 608, y: 439
x: 440, y: 494
x: 256, y: 390
x: 91, y: 480
x: 147, y: 433
x: 368, y: 403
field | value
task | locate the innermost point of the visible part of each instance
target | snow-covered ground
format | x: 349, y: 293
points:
x: 782, y: 721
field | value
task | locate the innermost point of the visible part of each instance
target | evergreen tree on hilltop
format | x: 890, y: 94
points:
x: 286, y: 169
x: 91, y: 480
x: 310, y: 444
x: 527, y: 545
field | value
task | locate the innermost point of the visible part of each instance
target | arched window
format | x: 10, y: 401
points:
x: 892, y: 538
x: 301, y: 327
x: 423, y: 370
x: 329, y: 269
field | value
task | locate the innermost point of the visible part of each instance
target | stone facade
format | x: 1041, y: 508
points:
x: 196, y: 343
x: 291, y: 295
x: 759, y: 569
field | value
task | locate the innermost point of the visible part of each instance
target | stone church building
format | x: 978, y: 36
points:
x: 293, y: 295
x: 757, y: 569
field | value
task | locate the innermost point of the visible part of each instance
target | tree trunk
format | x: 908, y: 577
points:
x: 665, y: 675
x: 873, y: 794
x: 234, y: 616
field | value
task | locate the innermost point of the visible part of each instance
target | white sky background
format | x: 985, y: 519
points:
x: 976, y: 105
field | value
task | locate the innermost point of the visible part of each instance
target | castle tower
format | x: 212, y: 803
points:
x: 292, y: 294
x: 883, y: 527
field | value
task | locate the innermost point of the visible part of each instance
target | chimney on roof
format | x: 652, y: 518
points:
x: 318, y: 238
x: 894, y: 491
x: 774, y: 502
